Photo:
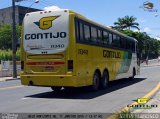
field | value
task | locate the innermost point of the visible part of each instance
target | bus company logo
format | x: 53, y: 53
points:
x: 142, y: 104
x: 142, y: 100
x: 111, y: 54
x: 46, y: 22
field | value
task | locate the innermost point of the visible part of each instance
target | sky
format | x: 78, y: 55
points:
x: 104, y: 12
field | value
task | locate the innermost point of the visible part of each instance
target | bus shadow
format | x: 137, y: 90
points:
x: 84, y: 93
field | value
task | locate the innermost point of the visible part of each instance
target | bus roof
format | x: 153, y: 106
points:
x: 85, y: 18
x: 105, y: 27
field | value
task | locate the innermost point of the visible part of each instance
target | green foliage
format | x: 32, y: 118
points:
x: 18, y: 53
x: 6, y: 36
x: 148, y: 47
x: 7, y: 55
x: 126, y: 22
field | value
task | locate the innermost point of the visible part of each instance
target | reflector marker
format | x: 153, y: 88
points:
x: 45, y: 63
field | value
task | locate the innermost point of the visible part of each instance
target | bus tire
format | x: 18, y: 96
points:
x: 105, y: 80
x: 56, y: 89
x: 95, y: 82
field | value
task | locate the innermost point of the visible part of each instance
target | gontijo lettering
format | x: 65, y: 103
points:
x: 111, y: 54
x: 45, y: 35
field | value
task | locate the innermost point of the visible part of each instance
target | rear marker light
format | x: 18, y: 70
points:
x: 70, y: 65
x: 22, y: 65
x: 45, y: 63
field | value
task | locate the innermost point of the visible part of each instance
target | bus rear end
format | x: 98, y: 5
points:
x: 44, y: 50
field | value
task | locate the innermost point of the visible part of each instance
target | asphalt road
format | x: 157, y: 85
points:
x: 15, y: 98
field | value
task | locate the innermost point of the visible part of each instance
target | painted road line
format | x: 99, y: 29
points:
x: 126, y: 109
x: 13, y: 87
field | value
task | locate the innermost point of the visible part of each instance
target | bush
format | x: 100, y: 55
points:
x: 7, y: 55
x: 6, y: 35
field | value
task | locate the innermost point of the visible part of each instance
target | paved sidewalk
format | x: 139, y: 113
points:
x: 9, y: 78
x: 151, y: 63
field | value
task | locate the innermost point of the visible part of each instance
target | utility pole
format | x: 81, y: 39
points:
x: 14, y: 40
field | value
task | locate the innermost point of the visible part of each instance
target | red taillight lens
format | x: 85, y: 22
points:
x: 70, y: 65
x: 22, y: 65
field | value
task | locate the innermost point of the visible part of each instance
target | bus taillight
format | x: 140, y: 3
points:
x: 22, y: 65
x: 70, y: 65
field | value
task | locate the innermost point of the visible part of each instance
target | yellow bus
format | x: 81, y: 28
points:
x: 65, y: 49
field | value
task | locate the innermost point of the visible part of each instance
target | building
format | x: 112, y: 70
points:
x: 20, y: 11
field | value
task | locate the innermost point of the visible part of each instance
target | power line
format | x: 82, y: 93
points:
x: 42, y: 4
x: 47, y: 2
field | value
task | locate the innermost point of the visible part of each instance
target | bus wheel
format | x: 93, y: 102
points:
x: 96, y: 82
x: 56, y: 89
x: 105, y: 80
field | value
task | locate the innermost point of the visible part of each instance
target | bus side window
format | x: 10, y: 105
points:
x: 87, y: 36
x: 94, y: 34
x: 99, y: 38
x: 81, y: 36
x: 123, y: 43
x: 77, y: 30
x: 105, y: 38
x: 110, y: 38
x: 137, y: 50
x: 116, y: 41
x: 129, y: 45
x: 133, y: 46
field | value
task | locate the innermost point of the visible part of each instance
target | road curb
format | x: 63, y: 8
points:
x: 151, y: 65
x: 126, y: 109
x: 12, y: 79
x: 13, y: 87
x: 8, y: 79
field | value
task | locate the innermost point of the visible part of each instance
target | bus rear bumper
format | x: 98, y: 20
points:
x: 49, y: 80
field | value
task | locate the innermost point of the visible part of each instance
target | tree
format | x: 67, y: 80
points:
x: 148, y: 47
x: 126, y: 22
x: 6, y: 36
